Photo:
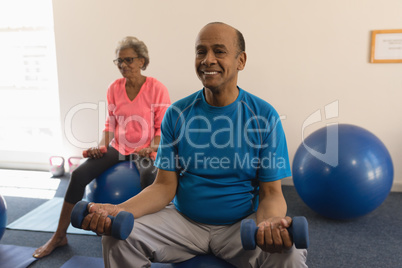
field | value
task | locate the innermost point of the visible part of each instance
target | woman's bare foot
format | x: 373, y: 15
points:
x: 46, y: 249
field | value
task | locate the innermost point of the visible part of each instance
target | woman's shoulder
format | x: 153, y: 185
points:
x: 118, y: 83
x: 155, y: 84
x: 153, y: 81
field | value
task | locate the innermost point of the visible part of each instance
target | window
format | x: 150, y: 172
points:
x: 29, y: 102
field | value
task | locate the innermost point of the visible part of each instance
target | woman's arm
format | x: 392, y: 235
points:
x: 107, y: 137
x: 96, y: 152
x: 152, y: 149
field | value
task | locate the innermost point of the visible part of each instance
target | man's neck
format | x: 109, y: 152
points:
x: 220, y: 98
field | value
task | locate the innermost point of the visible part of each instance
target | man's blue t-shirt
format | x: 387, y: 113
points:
x: 221, y: 154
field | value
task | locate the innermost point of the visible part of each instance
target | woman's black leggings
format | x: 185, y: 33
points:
x: 93, y: 168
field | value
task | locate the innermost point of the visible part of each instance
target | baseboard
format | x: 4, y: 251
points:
x: 24, y: 166
x: 287, y: 181
x: 396, y: 187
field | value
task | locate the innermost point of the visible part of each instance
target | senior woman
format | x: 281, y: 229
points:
x: 136, y: 105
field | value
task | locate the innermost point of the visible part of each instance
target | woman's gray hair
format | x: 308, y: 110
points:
x: 139, y: 47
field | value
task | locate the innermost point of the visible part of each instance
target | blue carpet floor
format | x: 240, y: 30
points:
x: 44, y: 219
x: 370, y: 241
x: 16, y: 256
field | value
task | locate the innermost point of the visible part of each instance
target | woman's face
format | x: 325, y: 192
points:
x: 129, y: 63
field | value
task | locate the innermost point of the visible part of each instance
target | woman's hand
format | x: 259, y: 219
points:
x: 146, y: 152
x: 94, y: 152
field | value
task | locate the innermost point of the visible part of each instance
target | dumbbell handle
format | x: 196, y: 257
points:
x: 122, y: 224
x: 102, y: 149
x: 86, y: 214
x: 298, y: 232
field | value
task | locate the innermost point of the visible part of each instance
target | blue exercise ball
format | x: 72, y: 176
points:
x: 3, y: 216
x: 342, y: 171
x: 117, y: 184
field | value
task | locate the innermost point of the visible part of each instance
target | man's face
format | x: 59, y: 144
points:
x: 218, y: 59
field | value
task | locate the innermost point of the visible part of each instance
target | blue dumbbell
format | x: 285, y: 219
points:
x: 122, y: 224
x: 298, y: 232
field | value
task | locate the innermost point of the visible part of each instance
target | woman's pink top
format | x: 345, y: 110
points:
x: 135, y: 122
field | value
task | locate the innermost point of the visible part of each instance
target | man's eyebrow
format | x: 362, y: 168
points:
x: 199, y: 47
x: 213, y: 46
x: 219, y: 46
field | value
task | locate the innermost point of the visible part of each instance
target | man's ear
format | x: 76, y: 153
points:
x: 242, y: 58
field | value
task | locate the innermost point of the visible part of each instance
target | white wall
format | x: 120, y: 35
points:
x: 302, y: 56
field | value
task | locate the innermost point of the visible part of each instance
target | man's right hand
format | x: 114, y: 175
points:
x: 97, y: 220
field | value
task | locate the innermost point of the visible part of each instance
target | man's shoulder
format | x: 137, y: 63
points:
x: 256, y: 103
x: 188, y: 101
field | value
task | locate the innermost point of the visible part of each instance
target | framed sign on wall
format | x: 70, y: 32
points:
x: 386, y: 46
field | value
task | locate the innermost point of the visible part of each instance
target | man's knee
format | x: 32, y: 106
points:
x: 109, y: 241
x: 293, y: 258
